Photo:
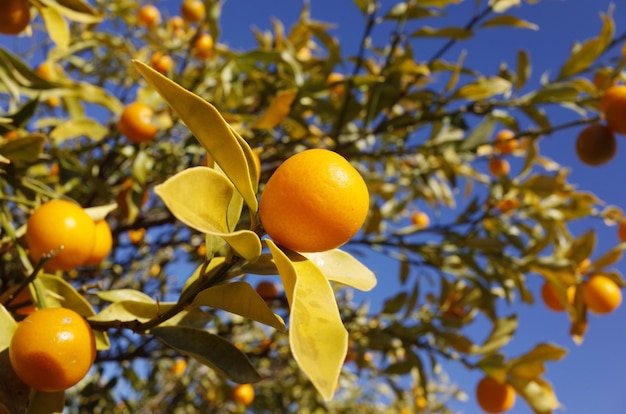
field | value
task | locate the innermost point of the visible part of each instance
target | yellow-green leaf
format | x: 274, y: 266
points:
x: 531, y: 365
x: 340, y: 266
x: 82, y: 127
x: 538, y: 393
x: 278, y: 110
x: 483, y: 88
x: 457, y: 33
x: 119, y: 295
x: 210, y: 128
x: 241, y: 299
x: 500, y: 335
x: 130, y: 310
x: 200, y: 197
x: 75, y: 10
x: 7, y: 327
x: 523, y: 68
x: 318, y: 339
x: 500, y: 6
x: 25, y: 150
x: 56, y: 26
x: 509, y: 20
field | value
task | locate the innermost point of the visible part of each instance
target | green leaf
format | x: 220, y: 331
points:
x: 239, y: 298
x: 318, y: 339
x: 500, y: 6
x: 531, y: 365
x: 56, y: 26
x: 340, y: 266
x: 500, y: 335
x: 19, y: 118
x: 7, y: 327
x: 523, y: 69
x: 538, y: 393
x: 46, y: 402
x: 406, y: 11
x: 79, y: 127
x: 69, y: 296
x: 480, y: 135
x: 582, y: 247
x: 210, y: 128
x: 75, y: 10
x: 23, y: 151
x: 509, y: 20
x: 437, y: 3
x: 483, y: 88
x: 395, y: 303
x: 211, y: 350
x: 561, y: 273
x: 609, y: 258
x: 200, y: 197
x: 130, y: 310
x: 456, y: 33
x: 119, y: 295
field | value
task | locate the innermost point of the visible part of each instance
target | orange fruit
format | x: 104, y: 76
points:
x: 613, y: 106
x: 267, y: 290
x: 192, y: 10
x: 177, y: 23
x: 243, y: 394
x: 494, y: 397
x: 504, y: 142
x: 22, y: 302
x: 420, y: 219
x: 14, y: 16
x: 56, y: 224
x: 507, y: 204
x: 52, y: 349
x: 596, y: 145
x: 335, y: 81
x: 136, y: 123
x: 136, y: 235
x: 314, y: 201
x: 160, y: 62
x: 602, y: 79
x: 601, y: 294
x: 499, y: 167
x: 148, y: 15
x: 621, y: 231
x: 551, y: 298
x: 102, y: 245
x: 203, y: 46
x: 179, y: 366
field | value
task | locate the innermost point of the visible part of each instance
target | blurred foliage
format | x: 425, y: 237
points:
x: 420, y: 130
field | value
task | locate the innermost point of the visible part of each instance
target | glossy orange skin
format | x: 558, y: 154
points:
x: 102, y: 245
x: 314, y: 201
x: 148, y: 15
x: 136, y: 123
x: 14, y: 16
x: 504, y: 142
x: 56, y: 224
x: 420, y: 219
x: 243, y: 394
x: 596, y: 145
x: 613, y: 106
x: 552, y: 299
x: 494, y: 397
x: 499, y: 167
x: 161, y: 63
x: 621, y: 231
x: 192, y: 11
x: 601, y: 295
x: 52, y: 349
x: 203, y: 46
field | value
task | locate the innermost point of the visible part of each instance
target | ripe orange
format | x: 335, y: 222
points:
x: 192, y: 10
x: 243, y: 394
x: 613, y: 105
x: 162, y: 63
x: 420, y: 219
x: 102, y: 245
x: 148, y: 15
x: 596, y: 145
x: 52, y: 349
x: 136, y: 123
x: 56, y: 224
x: 136, y: 235
x: 601, y: 294
x: 203, y: 46
x: 494, y: 397
x: 621, y: 231
x: 176, y: 23
x: 314, y: 201
x: 507, y: 204
x: 499, y: 167
x: 179, y: 366
x: 602, y: 79
x: 552, y: 299
x: 505, y: 143
x: 267, y: 290
x: 14, y: 16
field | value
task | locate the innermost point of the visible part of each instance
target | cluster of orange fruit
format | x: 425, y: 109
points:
x: 504, y: 144
x: 596, y: 143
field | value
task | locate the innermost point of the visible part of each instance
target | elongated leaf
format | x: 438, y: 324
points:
x: 74, y: 128
x: 25, y: 150
x: 483, y: 88
x: 523, y: 69
x: 239, y: 298
x: 7, y: 327
x: 500, y: 6
x: 342, y: 267
x: 130, y: 310
x: 609, y: 258
x: 480, y: 135
x: 56, y: 26
x: 500, y: 335
x: 404, y: 11
x: 531, y: 364
x: 213, y: 132
x: 457, y: 33
x: 124, y: 294
x: 209, y: 349
x: 538, y: 393
x: 318, y: 339
x: 277, y: 111
x: 509, y: 20
x: 200, y: 197
x: 75, y: 10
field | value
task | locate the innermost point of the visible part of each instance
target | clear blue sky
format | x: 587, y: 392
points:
x: 590, y: 378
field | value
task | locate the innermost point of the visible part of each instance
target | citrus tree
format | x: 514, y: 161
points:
x: 209, y: 212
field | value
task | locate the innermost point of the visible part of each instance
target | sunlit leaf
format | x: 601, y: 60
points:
x: 124, y: 294
x: 200, y: 197
x: 483, y: 88
x: 210, y: 350
x: 480, y: 135
x: 500, y: 335
x: 213, y: 132
x: 318, y: 339
x: 130, y: 310
x: 609, y: 258
x: 23, y: 151
x: 75, y: 10
x: 342, y: 267
x: 100, y: 212
x: 404, y: 10
x: 278, y: 110
x: 82, y: 127
x: 457, y: 33
x: 523, y: 69
x: 531, y: 364
x: 510, y: 21
x: 56, y: 26
x: 538, y: 393
x: 7, y: 327
x: 582, y: 246
x: 239, y: 298
x: 500, y: 6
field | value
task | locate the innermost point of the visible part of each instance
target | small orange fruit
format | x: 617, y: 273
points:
x: 136, y: 123
x: 52, y: 349
x: 314, y: 201
x: 102, y: 245
x: 494, y: 397
x: 596, y: 145
x: 136, y: 235
x: 179, y: 366
x: 14, y: 16
x: 621, y: 231
x: 203, y: 46
x: 267, y: 290
x: 161, y: 62
x: 505, y: 142
x: 499, y: 167
x: 177, y: 23
x: 613, y: 105
x: 60, y: 224
x: 192, y: 10
x: 243, y: 394
x: 553, y: 300
x: 507, y: 204
x: 335, y: 81
x: 148, y: 15
x: 601, y: 294
x: 420, y: 219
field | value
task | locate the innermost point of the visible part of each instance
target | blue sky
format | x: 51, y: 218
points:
x: 590, y: 378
